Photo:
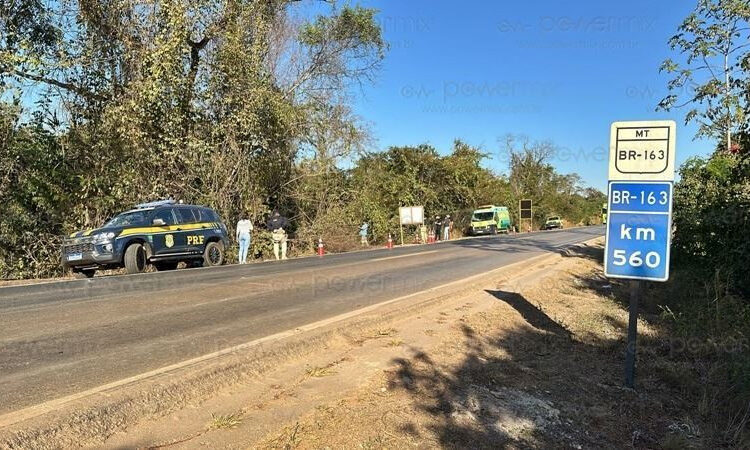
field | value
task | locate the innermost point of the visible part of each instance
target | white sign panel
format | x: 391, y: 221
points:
x: 411, y: 215
x: 639, y: 210
x: 642, y: 150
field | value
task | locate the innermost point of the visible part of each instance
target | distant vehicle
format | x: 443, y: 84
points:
x: 553, y: 222
x: 604, y: 214
x: 490, y: 219
x: 161, y: 233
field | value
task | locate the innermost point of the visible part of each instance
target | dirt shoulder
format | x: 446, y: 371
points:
x: 533, y: 360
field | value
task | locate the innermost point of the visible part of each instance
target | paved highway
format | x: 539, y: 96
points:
x: 61, y: 338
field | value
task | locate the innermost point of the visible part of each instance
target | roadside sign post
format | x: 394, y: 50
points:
x: 525, y: 211
x: 639, y: 213
x: 409, y: 215
x: 635, y: 295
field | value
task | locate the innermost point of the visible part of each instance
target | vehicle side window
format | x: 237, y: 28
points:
x: 165, y: 215
x: 197, y: 215
x: 185, y: 215
x: 208, y: 215
x: 204, y: 215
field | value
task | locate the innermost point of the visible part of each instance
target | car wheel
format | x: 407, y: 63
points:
x: 493, y: 230
x: 213, y: 255
x: 162, y: 266
x: 135, y: 259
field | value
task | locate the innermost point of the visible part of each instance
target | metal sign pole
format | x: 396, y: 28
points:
x: 401, y: 228
x: 635, y: 295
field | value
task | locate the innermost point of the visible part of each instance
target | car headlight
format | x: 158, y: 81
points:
x: 103, y: 238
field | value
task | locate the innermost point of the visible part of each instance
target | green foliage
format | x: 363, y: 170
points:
x: 712, y: 79
x: 707, y: 299
x: 202, y: 101
x: 331, y: 203
x: 353, y: 24
x: 533, y: 177
x: 34, y: 190
x: 711, y: 218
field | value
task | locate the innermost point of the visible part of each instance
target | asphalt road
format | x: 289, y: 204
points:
x: 61, y: 338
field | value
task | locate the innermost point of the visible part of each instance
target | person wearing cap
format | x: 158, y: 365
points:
x: 438, y: 228
x: 277, y: 224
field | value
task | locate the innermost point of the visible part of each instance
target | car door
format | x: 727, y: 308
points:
x: 167, y: 238
x: 188, y: 220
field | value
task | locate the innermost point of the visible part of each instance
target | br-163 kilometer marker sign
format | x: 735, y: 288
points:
x: 639, y: 221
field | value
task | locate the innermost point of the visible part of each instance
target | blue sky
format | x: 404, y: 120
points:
x: 553, y: 70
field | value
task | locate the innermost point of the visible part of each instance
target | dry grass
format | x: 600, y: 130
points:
x: 320, y: 372
x: 395, y: 343
x: 224, y: 421
x: 385, y: 332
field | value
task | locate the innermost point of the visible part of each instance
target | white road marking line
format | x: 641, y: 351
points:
x: 402, y: 256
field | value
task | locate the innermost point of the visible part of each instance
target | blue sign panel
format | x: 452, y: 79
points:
x: 639, y: 230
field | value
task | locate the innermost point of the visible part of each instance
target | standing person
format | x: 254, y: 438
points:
x: 363, y: 234
x: 278, y: 224
x: 438, y: 228
x: 244, y: 237
x: 447, y: 227
x: 423, y: 233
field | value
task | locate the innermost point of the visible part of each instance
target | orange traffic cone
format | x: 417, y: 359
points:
x: 321, y: 249
x: 390, y: 241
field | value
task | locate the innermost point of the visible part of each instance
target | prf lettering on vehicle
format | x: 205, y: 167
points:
x: 195, y: 240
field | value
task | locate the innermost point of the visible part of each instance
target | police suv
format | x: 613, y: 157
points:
x: 161, y: 233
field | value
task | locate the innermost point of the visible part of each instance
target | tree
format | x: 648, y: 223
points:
x: 533, y: 177
x: 207, y: 101
x: 714, y: 76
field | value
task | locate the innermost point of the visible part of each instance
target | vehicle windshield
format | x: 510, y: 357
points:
x: 551, y: 219
x: 482, y: 216
x: 128, y: 219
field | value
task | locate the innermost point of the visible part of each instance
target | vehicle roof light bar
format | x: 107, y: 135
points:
x: 155, y: 204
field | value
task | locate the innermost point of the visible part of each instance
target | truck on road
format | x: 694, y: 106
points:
x: 490, y: 219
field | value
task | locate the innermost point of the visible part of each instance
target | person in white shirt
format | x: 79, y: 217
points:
x: 244, y: 230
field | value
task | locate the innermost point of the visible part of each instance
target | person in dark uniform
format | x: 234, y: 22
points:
x: 438, y: 227
x: 277, y: 225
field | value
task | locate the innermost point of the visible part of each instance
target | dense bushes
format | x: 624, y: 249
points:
x: 712, y: 219
x: 707, y: 301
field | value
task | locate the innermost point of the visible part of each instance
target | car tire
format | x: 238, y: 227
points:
x: 135, y: 259
x: 213, y: 255
x: 84, y: 274
x: 164, y: 266
x: 493, y: 230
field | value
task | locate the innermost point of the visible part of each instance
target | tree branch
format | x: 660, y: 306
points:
x: 61, y: 84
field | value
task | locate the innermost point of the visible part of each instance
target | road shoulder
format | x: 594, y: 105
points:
x: 507, y: 360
